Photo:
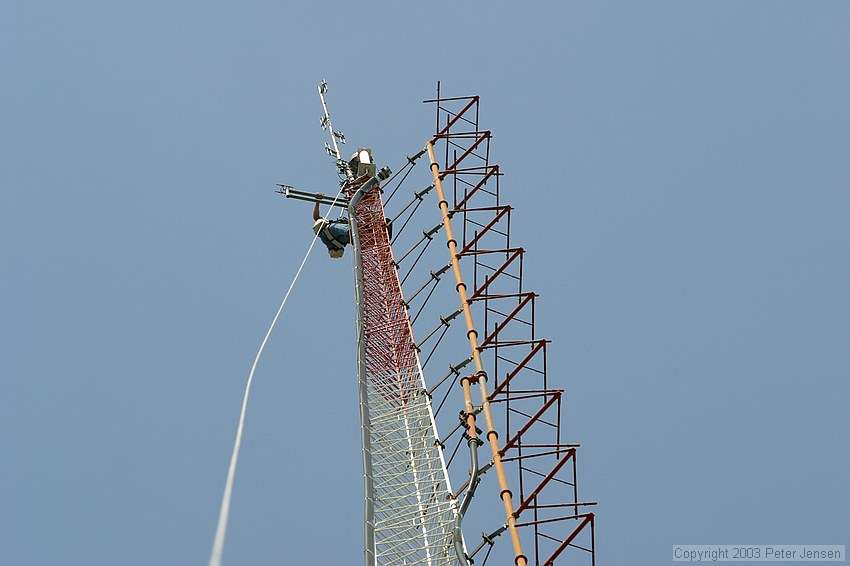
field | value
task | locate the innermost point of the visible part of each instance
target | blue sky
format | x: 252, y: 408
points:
x: 681, y: 180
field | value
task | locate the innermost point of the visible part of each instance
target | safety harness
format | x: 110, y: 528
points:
x: 329, y: 235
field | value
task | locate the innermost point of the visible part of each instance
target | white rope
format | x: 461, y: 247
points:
x: 224, y: 512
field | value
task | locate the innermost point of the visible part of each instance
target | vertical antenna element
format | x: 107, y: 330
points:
x: 481, y: 375
x: 326, y: 123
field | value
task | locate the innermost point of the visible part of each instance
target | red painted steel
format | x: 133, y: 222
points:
x: 534, y: 446
x: 390, y: 351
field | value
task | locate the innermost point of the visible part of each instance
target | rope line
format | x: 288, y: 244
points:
x: 224, y: 511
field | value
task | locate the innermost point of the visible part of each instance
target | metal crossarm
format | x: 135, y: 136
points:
x: 293, y: 193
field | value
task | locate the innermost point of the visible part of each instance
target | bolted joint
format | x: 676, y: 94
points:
x: 470, y: 379
x: 472, y: 439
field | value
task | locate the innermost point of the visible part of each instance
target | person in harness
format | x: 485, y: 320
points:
x: 335, y: 234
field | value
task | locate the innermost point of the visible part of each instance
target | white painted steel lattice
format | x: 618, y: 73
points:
x: 409, y: 509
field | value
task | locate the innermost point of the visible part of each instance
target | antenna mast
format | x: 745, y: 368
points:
x: 327, y: 125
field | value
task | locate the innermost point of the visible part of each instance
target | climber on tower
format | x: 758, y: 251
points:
x: 336, y: 234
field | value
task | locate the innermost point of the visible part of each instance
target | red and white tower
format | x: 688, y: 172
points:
x: 515, y: 473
